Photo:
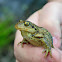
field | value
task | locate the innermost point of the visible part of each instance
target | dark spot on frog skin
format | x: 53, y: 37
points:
x: 32, y: 35
x: 35, y: 29
x: 32, y: 26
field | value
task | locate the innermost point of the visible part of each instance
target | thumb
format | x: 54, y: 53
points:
x: 49, y: 19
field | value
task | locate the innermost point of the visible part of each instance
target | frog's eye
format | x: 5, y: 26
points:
x: 26, y: 23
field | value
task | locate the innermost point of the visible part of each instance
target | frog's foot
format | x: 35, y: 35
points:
x: 47, y: 50
x: 22, y: 43
x: 50, y: 53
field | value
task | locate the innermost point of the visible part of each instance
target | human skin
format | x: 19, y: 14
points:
x: 48, y: 17
x: 55, y: 1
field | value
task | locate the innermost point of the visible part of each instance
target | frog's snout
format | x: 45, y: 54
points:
x: 16, y: 26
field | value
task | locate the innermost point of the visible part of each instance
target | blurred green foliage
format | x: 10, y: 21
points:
x: 7, y: 30
x: 6, y: 33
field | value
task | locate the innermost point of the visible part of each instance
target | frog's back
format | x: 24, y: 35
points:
x: 47, y: 36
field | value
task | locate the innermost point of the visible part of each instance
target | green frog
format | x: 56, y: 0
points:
x: 35, y: 35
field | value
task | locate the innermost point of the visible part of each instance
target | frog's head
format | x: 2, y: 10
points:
x: 26, y: 26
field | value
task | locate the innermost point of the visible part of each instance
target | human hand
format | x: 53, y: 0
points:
x: 49, y: 18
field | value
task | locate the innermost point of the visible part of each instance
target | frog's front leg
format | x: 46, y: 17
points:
x: 23, y: 42
x: 47, y: 50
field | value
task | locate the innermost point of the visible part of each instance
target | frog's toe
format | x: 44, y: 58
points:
x: 47, y: 50
x: 44, y: 51
x: 21, y: 44
x: 50, y: 53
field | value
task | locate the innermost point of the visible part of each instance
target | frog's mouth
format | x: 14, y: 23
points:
x: 18, y: 27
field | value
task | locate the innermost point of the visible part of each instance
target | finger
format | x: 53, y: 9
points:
x: 57, y: 55
x: 49, y: 19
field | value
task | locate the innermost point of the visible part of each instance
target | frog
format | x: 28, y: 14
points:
x: 35, y: 35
